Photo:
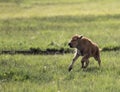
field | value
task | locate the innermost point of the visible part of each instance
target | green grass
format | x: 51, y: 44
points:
x: 46, y: 24
x: 36, y: 24
x: 49, y: 74
x: 25, y: 33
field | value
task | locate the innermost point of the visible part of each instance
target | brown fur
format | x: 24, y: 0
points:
x: 86, y: 48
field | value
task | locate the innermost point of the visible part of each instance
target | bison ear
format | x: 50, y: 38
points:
x: 80, y: 37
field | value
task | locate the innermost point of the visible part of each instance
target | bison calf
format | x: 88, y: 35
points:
x: 85, y: 48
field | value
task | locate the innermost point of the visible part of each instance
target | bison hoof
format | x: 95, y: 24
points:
x: 69, y: 69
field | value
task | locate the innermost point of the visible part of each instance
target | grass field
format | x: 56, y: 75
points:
x: 45, y: 24
x: 21, y: 73
x: 35, y: 22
